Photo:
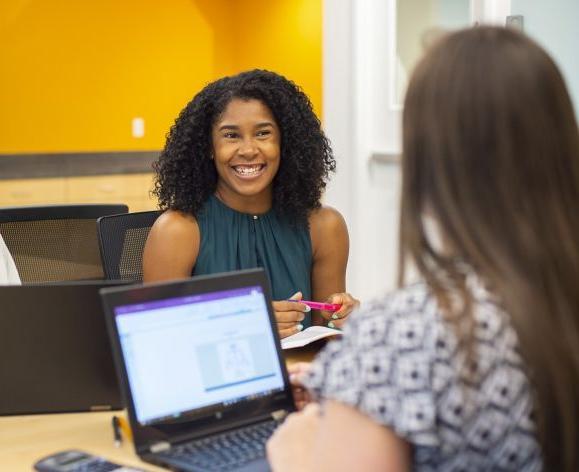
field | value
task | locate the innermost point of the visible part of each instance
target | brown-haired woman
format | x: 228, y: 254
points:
x: 477, y: 368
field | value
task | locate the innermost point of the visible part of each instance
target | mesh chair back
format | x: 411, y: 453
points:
x: 122, y: 240
x: 56, y: 242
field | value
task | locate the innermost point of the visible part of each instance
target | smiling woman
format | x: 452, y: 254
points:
x: 246, y: 147
x: 241, y: 178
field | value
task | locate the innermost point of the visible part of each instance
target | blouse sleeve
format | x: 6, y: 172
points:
x: 383, y: 366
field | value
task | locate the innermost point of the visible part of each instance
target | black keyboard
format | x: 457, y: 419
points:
x: 225, y: 451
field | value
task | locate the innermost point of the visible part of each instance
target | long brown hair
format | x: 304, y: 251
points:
x: 491, y: 151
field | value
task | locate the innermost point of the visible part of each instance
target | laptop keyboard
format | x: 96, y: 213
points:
x: 226, y: 451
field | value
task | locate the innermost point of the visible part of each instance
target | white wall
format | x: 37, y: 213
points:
x: 359, y: 120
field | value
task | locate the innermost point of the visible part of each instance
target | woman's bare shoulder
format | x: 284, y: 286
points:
x: 327, y: 220
x: 172, y: 247
x: 328, y: 231
x: 174, y: 223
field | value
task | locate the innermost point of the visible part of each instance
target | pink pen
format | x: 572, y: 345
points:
x: 319, y: 306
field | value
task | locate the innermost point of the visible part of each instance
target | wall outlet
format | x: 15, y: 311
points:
x: 138, y: 127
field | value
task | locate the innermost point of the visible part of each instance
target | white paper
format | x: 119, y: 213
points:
x: 307, y: 336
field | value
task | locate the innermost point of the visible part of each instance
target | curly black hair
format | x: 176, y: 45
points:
x: 186, y: 174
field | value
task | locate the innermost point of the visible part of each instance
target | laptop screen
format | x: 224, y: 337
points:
x: 189, y: 353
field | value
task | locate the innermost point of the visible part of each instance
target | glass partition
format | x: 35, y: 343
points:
x: 418, y: 23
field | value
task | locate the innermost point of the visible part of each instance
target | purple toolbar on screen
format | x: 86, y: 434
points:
x: 199, y: 298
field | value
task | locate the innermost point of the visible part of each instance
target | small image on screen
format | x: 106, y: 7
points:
x: 188, y: 353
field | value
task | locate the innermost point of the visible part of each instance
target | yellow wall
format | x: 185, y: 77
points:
x: 285, y: 37
x: 74, y: 73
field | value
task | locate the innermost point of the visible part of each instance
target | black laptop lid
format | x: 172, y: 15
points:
x: 197, y: 355
x: 55, y: 353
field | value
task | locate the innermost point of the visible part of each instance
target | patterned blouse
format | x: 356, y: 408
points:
x: 399, y: 364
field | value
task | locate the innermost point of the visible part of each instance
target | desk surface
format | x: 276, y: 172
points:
x: 25, y: 439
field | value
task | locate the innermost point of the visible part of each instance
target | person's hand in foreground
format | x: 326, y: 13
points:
x: 296, y: 373
x: 290, y: 447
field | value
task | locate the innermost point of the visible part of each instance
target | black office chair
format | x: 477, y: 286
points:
x: 122, y: 240
x: 55, y: 243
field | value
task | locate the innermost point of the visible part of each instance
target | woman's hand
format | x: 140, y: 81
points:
x: 289, y: 315
x: 337, y: 319
x: 290, y: 447
x: 296, y: 373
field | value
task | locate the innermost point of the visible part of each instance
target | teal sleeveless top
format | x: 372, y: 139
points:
x: 231, y: 240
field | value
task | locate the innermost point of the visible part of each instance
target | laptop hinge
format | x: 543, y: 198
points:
x: 279, y: 415
x: 160, y: 446
x: 276, y: 415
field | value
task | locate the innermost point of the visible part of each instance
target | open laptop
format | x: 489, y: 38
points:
x: 55, y: 354
x: 201, y: 370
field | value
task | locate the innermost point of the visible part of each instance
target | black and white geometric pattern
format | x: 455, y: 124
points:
x: 399, y: 363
